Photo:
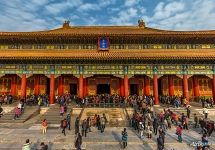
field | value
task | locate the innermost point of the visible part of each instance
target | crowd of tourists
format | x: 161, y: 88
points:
x: 28, y: 146
x: 115, y: 100
x: 40, y: 100
x: 145, y: 121
x: 207, y: 102
x: 148, y: 123
x: 6, y: 99
x: 176, y: 101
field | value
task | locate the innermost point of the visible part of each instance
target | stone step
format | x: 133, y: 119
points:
x: 53, y: 116
x: 29, y: 112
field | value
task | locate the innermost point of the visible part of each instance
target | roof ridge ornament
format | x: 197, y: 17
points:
x: 66, y: 24
x: 141, y: 23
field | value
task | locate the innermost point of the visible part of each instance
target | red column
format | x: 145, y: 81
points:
x: 23, y: 86
x: 81, y: 85
x: 155, y: 89
x: 126, y: 85
x: 37, y: 85
x: 122, y: 90
x: 85, y: 86
x: 14, y: 85
x: 60, y: 85
x: 146, y: 86
x: 171, y: 85
x: 196, y: 86
x: 52, y: 89
x: 213, y: 87
x: 185, y: 87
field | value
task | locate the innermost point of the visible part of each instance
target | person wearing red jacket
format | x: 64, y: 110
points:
x: 179, y: 133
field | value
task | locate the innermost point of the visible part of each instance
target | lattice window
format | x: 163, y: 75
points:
x: 61, y: 46
x: 181, y: 46
x: 74, y: 46
x: 26, y: 46
x: 15, y: 46
x: 206, y: 46
x: 39, y: 46
x: 133, y: 46
x: 157, y: 46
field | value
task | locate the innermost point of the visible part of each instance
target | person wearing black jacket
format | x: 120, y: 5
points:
x: 155, y: 126
x: 160, y: 143
x: 188, y: 111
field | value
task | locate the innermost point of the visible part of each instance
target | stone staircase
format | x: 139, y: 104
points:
x: 52, y: 116
x: 29, y: 112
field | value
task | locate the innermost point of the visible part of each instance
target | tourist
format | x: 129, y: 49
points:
x: 78, y: 142
x: 211, y: 102
x: 196, y: 120
x: 124, y: 138
x: 88, y: 124
x: 210, y: 127
x: 149, y: 130
x: 61, y: 110
x: 160, y: 143
x: 17, y: 113
x: 64, y: 125
x: 205, y: 112
x: 84, y: 128
x: 1, y: 111
x: 185, y: 102
x: 43, y: 146
x: 68, y: 119
x: 102, y: 124
x: 162, y: 134
x: 169, y: 123
x: 77, y: 125
x: 179, y: 133
x: 205, y: 142
x: 98, y: 122
x: 1, y: 99
x: 27, y: 145
x: 141, y: 129
x: 104, y: 116
x: 44, y: 126
x: 155, y: 125
x: 185, y: 123
x: 188, y: 111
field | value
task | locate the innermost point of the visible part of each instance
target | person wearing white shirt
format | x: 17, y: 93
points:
x: 205, y: 112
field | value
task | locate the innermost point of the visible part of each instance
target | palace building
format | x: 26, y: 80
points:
x: 123, y: 60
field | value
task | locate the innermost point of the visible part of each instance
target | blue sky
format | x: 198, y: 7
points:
x: 33, y: 15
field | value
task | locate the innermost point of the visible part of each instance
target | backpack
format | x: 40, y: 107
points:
x: 64, y: 123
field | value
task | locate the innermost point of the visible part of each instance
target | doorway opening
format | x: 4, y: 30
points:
x: 134, y: 89
x: 48, y: 86
x: 73, y: 89
x: 160, y: 87
x: 103, y: 89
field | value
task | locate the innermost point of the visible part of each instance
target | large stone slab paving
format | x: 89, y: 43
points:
x: 109, y: 140
x: 115, y: 116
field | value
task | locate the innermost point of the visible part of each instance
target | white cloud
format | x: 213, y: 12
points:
x: 31, y: 15
x: 88, y: 7
x: 184, y: 15
x: 124, y: 17
x: 56, y: 8
x: 130, y: 3
x: 164, y: 11
x: 91, y: 21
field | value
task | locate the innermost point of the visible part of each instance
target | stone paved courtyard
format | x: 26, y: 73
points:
x: 13, y: 138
